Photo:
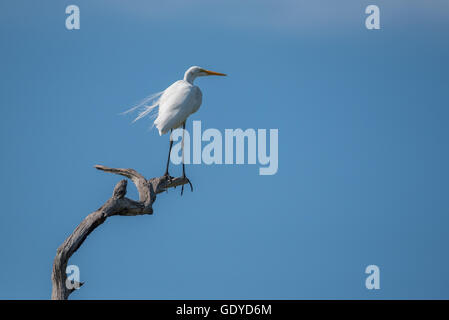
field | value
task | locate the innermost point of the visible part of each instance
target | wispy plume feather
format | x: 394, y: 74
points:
x: 146, y: 106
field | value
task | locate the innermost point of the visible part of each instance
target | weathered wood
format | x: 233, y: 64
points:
x: 118, y: 204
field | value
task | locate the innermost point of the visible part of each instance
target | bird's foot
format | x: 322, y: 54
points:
x: 168, y: 177
x: 188, y: 181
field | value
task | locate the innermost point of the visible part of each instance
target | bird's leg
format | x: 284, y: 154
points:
x: 166, y: 174
x: 184, y: 177
x: 183, y: 164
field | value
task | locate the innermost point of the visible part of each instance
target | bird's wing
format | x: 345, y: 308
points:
x: 179, y: 101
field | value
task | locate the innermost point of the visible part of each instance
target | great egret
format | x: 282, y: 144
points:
x: 176, y: 104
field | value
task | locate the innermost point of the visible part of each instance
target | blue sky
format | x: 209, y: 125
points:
x: 362, y: 117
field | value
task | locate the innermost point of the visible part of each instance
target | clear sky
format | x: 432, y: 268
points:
x: 363, y: 148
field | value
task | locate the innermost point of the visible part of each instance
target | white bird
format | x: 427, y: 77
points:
x: 175, y: 104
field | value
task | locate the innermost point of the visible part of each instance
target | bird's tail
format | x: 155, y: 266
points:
x: 145, y: 109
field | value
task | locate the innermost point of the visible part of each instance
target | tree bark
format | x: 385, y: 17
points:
x: 118, y: 204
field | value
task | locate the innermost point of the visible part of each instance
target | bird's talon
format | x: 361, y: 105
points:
x: 168, y: 177
x: 188, y: 181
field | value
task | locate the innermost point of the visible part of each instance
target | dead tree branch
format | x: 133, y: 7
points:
x: 118, y: 204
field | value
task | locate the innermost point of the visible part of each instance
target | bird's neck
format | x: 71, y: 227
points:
x: 189, y: 77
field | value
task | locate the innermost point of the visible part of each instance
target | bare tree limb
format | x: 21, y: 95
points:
x: 118, y: 204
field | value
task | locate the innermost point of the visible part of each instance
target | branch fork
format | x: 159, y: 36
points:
x: 118, y: 204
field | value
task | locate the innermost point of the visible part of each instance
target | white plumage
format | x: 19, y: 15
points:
x: 177, y: 102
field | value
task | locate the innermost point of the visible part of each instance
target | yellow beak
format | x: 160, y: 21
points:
x: 213, y: 73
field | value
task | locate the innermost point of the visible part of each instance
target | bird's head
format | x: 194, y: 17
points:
x: 195, y: 71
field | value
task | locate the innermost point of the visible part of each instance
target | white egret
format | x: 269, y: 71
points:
x: 175, y: 104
